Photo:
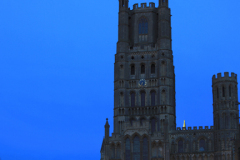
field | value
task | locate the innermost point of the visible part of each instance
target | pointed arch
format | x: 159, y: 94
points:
x: 127, y: 149
x: 145, y: 148
x: 136, y: 147
x: 118, y: 151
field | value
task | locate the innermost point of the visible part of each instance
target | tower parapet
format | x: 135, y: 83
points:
x: 143, y: 5
x: 224, y: 78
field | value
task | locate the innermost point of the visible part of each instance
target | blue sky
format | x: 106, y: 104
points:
x: 56, y: 71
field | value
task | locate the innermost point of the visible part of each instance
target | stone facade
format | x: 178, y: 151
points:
x: 144, y: 97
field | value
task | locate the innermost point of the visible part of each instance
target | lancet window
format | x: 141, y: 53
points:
x: 143, y: 30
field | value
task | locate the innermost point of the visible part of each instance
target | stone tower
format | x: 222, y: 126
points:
x: 144, y: 81
x: 225, y: 112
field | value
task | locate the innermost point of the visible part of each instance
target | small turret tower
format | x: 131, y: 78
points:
x: 225, y: 110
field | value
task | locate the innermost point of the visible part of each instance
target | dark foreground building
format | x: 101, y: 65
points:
x: 144, y: 97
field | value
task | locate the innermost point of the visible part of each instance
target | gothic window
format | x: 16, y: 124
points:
x: 230, y: 91
x: 132, y: 69
x: 180, y: 146
x: 153, y: 94
x: 223, y: 91
x: 153, y: 69
x: 153, y: 125
x: 142, y: 69
x: 136, y: 148
x: 202, y: 145
x: 112, y: 151
x: 142, y: 98
x: 132, y: 99
x: 127, y: 149
x: 118, y: 152
x: 145, y: 149
x: 143, y: 30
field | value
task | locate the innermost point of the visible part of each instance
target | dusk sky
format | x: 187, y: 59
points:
x: 56, y: 70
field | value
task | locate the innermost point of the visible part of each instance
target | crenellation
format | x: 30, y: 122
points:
x: 194, y: 128
x: 143, y: 5
x: 226, y: 77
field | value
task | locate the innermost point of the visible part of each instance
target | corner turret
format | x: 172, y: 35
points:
x: 107, y: 126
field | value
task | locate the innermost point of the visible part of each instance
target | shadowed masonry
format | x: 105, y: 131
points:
x: 144, y: 97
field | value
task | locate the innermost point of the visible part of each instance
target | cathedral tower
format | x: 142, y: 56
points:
x: 225, y: 111
x: 144, y: 83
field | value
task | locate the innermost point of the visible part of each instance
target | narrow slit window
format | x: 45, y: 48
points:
x: 142, y: 99
x: 153, y: 69
x: 230, y: 91
x: 217, y: 93
x: 153, y: 93
x: 223, y: 91
x: 142, y: 69
x: 132, y: 70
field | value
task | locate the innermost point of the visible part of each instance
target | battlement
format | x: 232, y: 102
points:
x: 226, y: 77
x: 194, y: 128
x: 144, y: 5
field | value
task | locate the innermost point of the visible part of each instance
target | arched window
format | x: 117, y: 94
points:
x: 127, y: 149
x: 132, y: 69
x: 230, y: 91
x: 223, y: 91
x: 153, y: 125
x: 153, y: 94
x: 142, y: 69
x: 202, y: 145
x: 132, y: 99
x: 136, y: 148
x: 145, y: 149
x: 142, y: 98
x: 143, y: 30
x: 153, y: 69
x: 112, y: 151
x: 180, y: 146
x: 118, y: 152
